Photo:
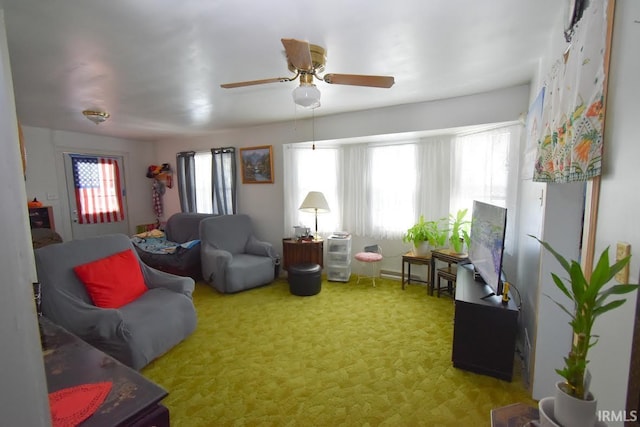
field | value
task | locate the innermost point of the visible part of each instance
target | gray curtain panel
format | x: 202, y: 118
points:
x: 186, y: 169
x: 223, y: 180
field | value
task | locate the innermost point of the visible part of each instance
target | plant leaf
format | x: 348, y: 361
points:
x: 607, y: 307
x: 563, y: 262
x: 601, y: 270
x: 615, y: 290
x: 561, y: 306
x: 579, y: 284
x: 560, y: 284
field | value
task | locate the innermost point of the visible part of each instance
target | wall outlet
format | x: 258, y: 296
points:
x: 623, y: 249
x: 52, y: 196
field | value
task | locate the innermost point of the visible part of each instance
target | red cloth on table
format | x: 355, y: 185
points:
x: 70, y: 406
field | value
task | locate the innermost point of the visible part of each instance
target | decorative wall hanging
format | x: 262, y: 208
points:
x: 534, y: 132
x: 162, y: 179
x: 257, y: 165
x: 570, y: 147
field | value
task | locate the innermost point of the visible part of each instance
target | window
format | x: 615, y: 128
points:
x: 485, y: 168
x: 207, y: 181
x: 298, y: 182
x: 203, y: 164
x: 97, y: 189
x: 392, y: 179
x: 380, y: 190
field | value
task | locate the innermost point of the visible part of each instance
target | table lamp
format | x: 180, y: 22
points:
x: 314, y: 203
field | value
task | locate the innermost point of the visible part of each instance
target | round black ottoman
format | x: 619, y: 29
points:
x: 304, y: 279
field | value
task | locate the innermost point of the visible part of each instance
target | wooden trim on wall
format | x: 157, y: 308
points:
x: 593, y: 186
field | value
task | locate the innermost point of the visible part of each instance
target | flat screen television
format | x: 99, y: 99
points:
x: 488, y: 225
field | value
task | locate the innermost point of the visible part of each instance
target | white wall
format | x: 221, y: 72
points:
x: 552, y: 212
x: 46, y: 176
x: 619, y: 207
x: 24, y: 399
x: 265, y: 202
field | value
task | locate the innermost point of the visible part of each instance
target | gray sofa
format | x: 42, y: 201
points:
x: 233, y: 259
x: 135, y: 333
x: 180, y: 228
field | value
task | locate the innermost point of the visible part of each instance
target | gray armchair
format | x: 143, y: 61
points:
x: 180, y: 228
x: 135, y: 333
x: 233, y: 259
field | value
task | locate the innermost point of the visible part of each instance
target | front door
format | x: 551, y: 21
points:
x: 96, y: 188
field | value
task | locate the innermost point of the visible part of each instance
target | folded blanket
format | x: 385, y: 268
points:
x: 152, y: 233
x: 160, y: 245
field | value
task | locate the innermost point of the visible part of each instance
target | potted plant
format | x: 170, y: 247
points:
x: 590, y: 299
x: 459, y: 228
x: 430, y: 233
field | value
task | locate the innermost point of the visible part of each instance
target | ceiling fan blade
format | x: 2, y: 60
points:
x: 255, y: 82
x: 359, y: 80
x: 298, y: 53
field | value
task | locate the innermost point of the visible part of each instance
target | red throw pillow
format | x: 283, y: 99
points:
x: 113, y: 281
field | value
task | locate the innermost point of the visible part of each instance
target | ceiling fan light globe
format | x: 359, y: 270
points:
x: 307, y: 96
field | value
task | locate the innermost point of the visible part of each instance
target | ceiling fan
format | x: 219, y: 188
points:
x: 308, y: 61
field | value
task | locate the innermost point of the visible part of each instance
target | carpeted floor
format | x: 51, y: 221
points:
x: 353, y: 355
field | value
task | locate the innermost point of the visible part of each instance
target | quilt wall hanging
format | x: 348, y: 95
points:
x: 569, y: 145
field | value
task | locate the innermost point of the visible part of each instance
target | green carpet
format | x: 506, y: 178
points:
x: 353, y: 355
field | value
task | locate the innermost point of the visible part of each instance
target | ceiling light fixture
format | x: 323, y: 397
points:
x: 306, y: 95
x: 96, y: 117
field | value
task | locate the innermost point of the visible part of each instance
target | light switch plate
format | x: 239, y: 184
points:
x: 623, y: 249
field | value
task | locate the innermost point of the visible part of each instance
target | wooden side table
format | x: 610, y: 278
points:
x: 296, y: 251
x: 409, y: 258
x: 518, y: 414
x: 449, y: 272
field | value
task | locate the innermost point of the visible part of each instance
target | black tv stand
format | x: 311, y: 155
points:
x: 484, y: 331
x: 490, y: 294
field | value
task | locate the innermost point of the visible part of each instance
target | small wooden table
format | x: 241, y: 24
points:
x: 409, y: 258
x: 518, y: 414
x: 448, y: 272
x: 296, y: 251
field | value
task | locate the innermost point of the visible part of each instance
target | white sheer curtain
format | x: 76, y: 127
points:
x: 311, y: 170
x: 354, y: 177
x: 378, y: 189
x: 433, y: 165
x: 485, y: 168
x: 392, y: 192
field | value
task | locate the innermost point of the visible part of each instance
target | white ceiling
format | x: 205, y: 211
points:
x: 156, y: 65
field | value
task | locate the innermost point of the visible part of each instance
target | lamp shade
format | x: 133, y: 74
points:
x: 315, y: 203
x: 307, y: 95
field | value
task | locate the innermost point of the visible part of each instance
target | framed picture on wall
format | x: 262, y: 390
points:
x: 257, y: 164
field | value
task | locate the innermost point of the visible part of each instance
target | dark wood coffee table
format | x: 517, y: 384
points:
x: 69, y: 361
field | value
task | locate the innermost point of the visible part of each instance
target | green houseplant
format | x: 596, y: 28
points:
x: 431, y: 232
x: 590, y: 299
x: 459, y: 228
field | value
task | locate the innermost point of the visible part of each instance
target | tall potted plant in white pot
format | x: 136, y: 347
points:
x: 459, y: 228
x: 574, y: 405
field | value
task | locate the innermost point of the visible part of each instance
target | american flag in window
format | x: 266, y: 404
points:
x: 97, y: 186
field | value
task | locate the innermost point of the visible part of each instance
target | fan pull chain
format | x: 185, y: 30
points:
x: 313, y: 129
